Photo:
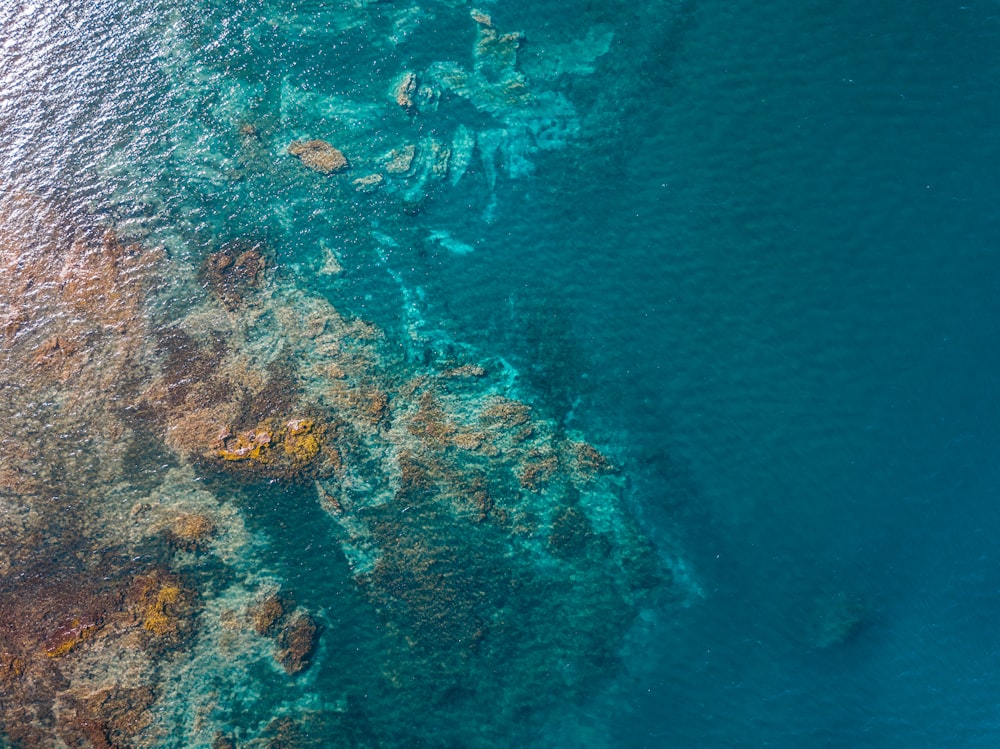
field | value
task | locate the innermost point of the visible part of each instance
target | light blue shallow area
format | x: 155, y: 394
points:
x: 760, y: 269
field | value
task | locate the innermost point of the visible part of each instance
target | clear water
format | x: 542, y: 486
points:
x: 747, y: 249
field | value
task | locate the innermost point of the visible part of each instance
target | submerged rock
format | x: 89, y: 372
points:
x: 404, y: 90
x: 368, y: 183
x: 399, y: 160
x: 265, y: 615
x: 191, y: 531
x: 296, y: 642
x: 318, y: 155
x: 838, y: 618
x: 235, y: 271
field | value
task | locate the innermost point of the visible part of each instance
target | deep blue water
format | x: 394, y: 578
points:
x: 781, y: 281
x: 763, y: 274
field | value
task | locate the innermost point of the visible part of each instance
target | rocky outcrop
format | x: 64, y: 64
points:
x: 319, y: 156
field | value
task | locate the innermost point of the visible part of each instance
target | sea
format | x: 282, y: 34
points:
x: 749, y: 250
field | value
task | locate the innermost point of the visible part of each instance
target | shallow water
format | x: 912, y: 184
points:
x: 748, y: 251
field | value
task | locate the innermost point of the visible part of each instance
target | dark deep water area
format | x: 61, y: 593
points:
x: 634, y: 385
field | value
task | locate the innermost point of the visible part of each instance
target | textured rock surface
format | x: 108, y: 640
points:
x: 318, y: 155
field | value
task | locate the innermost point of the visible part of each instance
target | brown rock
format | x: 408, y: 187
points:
x: 191, y: 531
x: 296, y: 642
x: 369, y: 183
x: 318, y: 155
x: 405, y: 89
x: 265, y: 615
x: 115, y: 715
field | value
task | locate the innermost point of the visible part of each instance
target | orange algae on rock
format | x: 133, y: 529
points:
x: 283, y: 448
x: 251, y: 445
x: 164, y: 606
x: 155, y: 616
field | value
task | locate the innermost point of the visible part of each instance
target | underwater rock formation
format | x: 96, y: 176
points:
x: 404, y: 90
x: 234, y: 271
x: 296, y: 642
x: 318, y: 155
x: 200, y: 434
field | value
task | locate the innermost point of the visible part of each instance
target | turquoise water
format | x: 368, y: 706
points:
x: 747, y: 250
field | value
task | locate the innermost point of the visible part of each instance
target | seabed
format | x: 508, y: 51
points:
x: 233, y: 516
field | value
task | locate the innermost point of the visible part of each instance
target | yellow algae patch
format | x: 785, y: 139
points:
x: 283, y: 448
x: 302, y: 442
x: 162, y: 606
x: 157, y: 617
x: 250, y: 445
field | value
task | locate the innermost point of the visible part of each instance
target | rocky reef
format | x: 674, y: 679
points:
x: 232, y: 514
x: 489, y: 547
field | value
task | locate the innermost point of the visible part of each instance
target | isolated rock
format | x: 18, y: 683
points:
x: 318, y: 155
x: 369, y: 183
x: 405, y: 89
